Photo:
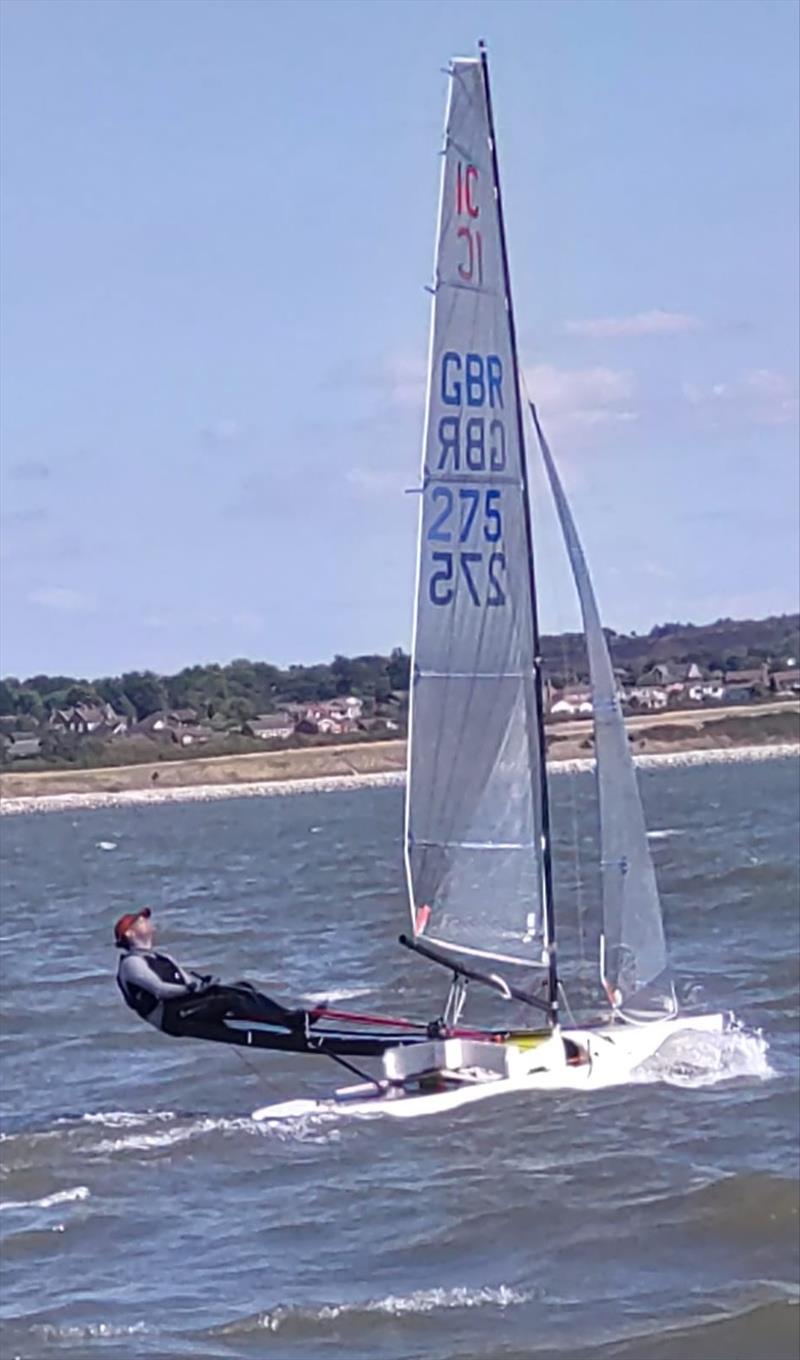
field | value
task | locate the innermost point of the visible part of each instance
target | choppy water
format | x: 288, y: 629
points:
x: 145, y: 1215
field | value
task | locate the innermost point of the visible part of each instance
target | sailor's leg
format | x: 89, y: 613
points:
x: 239, y: 1003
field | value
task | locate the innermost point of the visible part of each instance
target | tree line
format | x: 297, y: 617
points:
x: 235, y: 692
x: 242, y: 689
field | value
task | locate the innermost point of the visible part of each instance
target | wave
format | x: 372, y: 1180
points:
x: 695, y: 1058
x: 770, y: 1330
x: 90, y: 1331
x: 48, y: 1201
x: 750, y: 1208
x: 297, y: 1320
x: 666, y: 834
x: 122, y: 1119
x: 154, y: 1130
x: 187, y: 1128
x: 339, y: 994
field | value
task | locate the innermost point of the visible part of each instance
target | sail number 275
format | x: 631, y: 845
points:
x: 469, y: 514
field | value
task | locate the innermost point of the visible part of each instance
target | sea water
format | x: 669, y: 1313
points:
x: 144, y: 1214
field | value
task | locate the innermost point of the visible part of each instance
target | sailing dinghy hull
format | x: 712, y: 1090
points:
x: 608, y: 1056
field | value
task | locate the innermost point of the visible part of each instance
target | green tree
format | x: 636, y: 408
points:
x: 238, y: 710
x: 111, y: 691
x: 8, y: 698
x: 50, y: 684
x: 146, y: 692
x: 203, y: 688
x: 81, y: 693
x: 399, y: 669
x: 30, y: 704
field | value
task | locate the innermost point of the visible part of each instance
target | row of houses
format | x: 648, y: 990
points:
x: 184, y: 726
x: 336, y: 718
x: 664, y: 685
x: 660, y: 687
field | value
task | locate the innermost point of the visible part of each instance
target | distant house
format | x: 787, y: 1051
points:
x: 650, y: 696
x: 183, y: 716
x: 192, y: 734
x: 332, y: 718
x: 706, y: 689
x: 269, y: 726
x: 786, y: 682
x: 350, y: 708
x: 87, y: 718
x: 170, y: 726
x: 573, y: 703
x: 662, y: 674
x: 664, y: 682
x: 18, y: 745
x: 154, y: 725
x: 742, y: 685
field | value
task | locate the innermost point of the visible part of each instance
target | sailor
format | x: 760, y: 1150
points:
x: 173, y: 998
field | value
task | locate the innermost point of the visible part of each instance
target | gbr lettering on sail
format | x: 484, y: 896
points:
x: 467, y: 457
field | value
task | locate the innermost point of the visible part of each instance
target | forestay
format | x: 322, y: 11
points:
x: 472, y: 819
x: 636, y: 966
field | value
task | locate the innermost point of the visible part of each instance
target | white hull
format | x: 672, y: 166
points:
x: 612, y: 1054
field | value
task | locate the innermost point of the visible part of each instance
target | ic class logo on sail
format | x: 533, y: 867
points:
x: 468, y: 235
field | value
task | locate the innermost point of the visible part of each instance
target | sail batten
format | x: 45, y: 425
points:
x: 473, y: 812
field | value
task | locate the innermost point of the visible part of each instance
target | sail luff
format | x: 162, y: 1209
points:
x: 538, y: 767
x: 421, y: 529
x: 636, y: 968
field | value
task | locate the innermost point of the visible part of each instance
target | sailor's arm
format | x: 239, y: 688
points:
x: 136, y: 971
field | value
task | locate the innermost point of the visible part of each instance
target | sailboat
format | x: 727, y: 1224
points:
x: 478, y: 844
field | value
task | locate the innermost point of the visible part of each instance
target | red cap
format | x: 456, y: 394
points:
x: 124, y: 924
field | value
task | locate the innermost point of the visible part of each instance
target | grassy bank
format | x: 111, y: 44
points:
x: 654, y: 734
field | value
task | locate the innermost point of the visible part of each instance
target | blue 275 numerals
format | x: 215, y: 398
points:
x: 456, y: 520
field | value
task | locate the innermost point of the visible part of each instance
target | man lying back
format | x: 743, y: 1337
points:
x: 167, y: 995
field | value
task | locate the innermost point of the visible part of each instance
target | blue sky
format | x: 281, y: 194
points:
x: 218, y: 222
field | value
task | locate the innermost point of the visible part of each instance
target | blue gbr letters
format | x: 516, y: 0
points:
x: 472, y: 442
x: 468, y: 517
x: 472, y: 380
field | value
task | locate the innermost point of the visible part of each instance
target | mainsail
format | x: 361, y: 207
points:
x: 636, y: 968
x: 476, y: 811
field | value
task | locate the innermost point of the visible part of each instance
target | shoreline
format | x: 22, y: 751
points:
x: 333, y: 783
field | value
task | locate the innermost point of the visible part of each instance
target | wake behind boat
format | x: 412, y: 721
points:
x: 478, y: 855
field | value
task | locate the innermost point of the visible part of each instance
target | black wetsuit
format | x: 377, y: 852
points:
x: 171, y: 997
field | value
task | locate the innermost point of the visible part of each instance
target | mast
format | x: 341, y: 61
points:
x: 543, y: 789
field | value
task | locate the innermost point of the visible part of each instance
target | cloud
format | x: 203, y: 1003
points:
x: 248, y: 622
x: 582, y: 396
x: 376, y: 481
x: 30, y: 470
x: 223, y: 432
x: 31, y: 515
x: 396, y: 380
x: 656, y: 322
x: 761, y: 396
x: 63, y: 600
x: 405, y: 381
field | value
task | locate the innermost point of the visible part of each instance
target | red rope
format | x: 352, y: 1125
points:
x: 395, y: 1022
x: 322, y: 1012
